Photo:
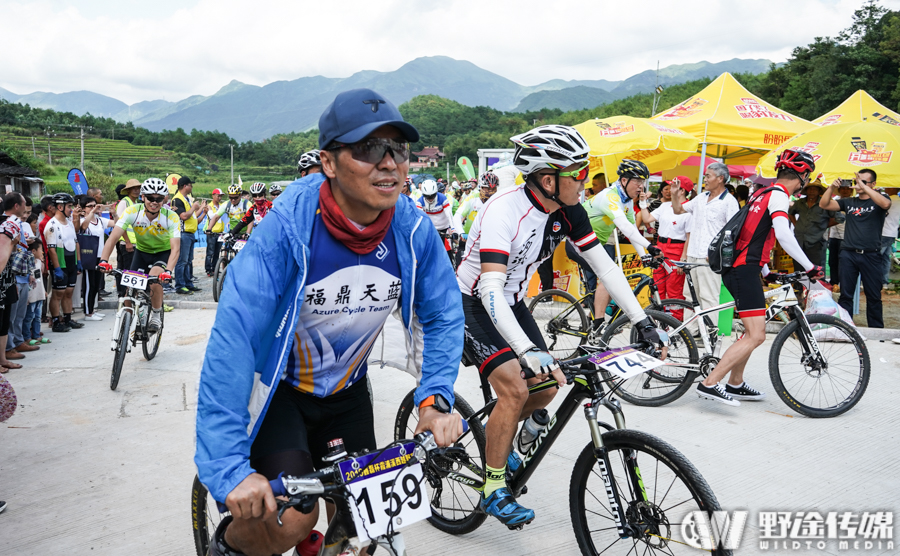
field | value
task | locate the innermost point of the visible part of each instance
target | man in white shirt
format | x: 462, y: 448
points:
x: 673, y: 229
x: 889, y: 231
x: 710, y: 211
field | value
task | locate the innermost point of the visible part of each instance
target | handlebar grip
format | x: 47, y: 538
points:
x: 278, y: 486
x: 465, y: 425
x: 527, y: 373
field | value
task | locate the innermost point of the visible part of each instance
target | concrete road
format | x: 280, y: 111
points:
x: 89, y: 471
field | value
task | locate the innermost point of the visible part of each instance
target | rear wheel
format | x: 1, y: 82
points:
x: 658, y: 488
x: 151, y: 342
x: 121, y: 350
x: 562, y: 321
x: 219, y: 281
x: 663, y: 384
x: 454, y: 502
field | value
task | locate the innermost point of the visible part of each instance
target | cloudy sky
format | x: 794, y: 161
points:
x: 171, y: 49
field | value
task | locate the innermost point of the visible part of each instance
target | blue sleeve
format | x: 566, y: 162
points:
x: 237, y: 350
x: 438, y: 308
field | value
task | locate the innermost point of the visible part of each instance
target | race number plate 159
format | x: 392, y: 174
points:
x: 238, y: 245
x: 134, y: 280
x: 625, y: 362
x: 384, y: 487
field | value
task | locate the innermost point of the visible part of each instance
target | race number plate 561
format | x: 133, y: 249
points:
x: 625, y: 362
x: 132, y: 280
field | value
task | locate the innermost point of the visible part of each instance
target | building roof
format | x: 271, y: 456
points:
x: 9, y: 167
x: 431, y: 152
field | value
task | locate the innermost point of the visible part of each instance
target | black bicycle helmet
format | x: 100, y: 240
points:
x: 633, y: 169
x: 63, y: 199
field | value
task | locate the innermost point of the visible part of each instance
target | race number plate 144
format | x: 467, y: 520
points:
x: 385, y: 488
x: 625, y: 362
x: 134, y: 280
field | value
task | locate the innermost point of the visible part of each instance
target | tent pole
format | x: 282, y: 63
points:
x: 702, y: 166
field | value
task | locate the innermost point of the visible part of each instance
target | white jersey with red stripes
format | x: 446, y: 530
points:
x: 437, y: 210
x: 514, y: 229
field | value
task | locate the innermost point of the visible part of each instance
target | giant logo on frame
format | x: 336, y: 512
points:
x: 751, y: 109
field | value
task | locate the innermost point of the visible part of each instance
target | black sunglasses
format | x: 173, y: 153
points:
x: 372, y: 150
x: 154, y: 198
x: 275, y: 194
x: 255, y: 195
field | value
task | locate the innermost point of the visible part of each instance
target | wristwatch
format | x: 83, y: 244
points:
x: 437, y: 401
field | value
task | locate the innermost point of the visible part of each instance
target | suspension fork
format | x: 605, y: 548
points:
x: 624, y: 529
x: 804, y: 333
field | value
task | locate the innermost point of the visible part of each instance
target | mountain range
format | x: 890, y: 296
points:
x: 252, y: 112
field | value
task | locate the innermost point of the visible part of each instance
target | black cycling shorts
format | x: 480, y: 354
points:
x: 144, y: 261
x: 297, y: 427
x: 484, y: 345
x: 70, y: 274
x: 744, y: 284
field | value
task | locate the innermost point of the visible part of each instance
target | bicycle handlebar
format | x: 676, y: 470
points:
x: 573, y: 367
x: 116, y: 272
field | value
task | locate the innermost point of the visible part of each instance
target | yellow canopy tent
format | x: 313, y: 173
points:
x: 840, y: 150
x: 731, y: 123
x: 860, y: 106
x: 613, y: 139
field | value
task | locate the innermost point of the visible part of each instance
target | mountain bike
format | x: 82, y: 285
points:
x: 565, y: 321
x: 450, y: 245
x: 128, y: 330
x: 818, y: 364
x: 629, y: 490
x: 231, y: 246
x: 374, y: 494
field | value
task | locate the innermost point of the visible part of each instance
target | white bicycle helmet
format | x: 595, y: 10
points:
x: 549, y: 146
x: 154, y: 186
x: 308, y: 160
x: 275, y: 188
x: 234, y: 189
x: 428, y: 188
x: 257, y: 188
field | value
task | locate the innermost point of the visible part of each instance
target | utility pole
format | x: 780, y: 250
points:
x: 82, y: 149
x: 48, y: 132
x: 232, y: 162
x: 657, y: 93
x: 33, y: 149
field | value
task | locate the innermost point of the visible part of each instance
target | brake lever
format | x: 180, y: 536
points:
x: 304, y: 504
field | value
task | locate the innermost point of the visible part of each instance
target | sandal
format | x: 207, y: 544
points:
x: 45, y: 340
x: 33, y: 342
x: 11, y: 366
x: 3, y: 370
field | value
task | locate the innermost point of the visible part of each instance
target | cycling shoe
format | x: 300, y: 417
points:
x: 504, y: 507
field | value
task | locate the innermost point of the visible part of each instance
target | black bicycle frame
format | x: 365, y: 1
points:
x: 586, y: 387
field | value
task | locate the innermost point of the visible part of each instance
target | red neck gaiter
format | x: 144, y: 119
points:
x: 361, y: 242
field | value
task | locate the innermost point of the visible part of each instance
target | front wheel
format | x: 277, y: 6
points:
x: 562, y: 321
x: 454, y: 480
x: 150, y: 345
x: 663, y: 384
x: 658, y: 488
x: 205, y: 516
x: 816, y: 388
x: 218, y: 275
x: 121, y: 349
x: 217, y: 289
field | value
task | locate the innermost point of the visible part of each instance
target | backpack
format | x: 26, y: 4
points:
x: 721, y: 252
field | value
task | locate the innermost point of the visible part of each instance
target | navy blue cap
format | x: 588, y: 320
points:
x: 354, y: 114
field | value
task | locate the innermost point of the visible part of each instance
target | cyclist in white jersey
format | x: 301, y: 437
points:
x: 437, y: 206
x: 515, y: 231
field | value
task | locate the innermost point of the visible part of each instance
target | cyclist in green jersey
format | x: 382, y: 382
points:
x: 158, y: 234
x: 613, y: 208
x: 470, y: 206
x: 235, y: 208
